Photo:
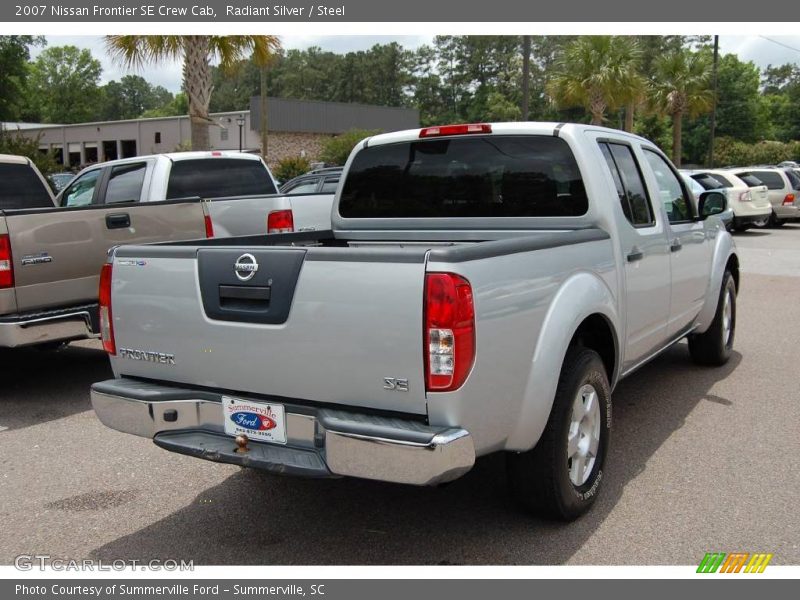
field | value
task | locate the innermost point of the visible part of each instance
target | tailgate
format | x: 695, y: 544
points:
x: 316, y: 324
x: 58, y: 253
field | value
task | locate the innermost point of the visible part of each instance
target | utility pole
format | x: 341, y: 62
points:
x: 526, y: 75
x: 263, y: 111
x: 714, y: 105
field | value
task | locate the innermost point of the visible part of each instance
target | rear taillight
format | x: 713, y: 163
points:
x: 280, y: 221
x: 106, y: 323
x: 209, y: 227
x: 789, y: 199
x: 6, y: 263
x: 455, y: 130
x: 449, y: 331
x: 746, y: 197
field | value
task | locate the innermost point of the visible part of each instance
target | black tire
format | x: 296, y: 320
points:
x: 774, y: 221
x: 540, y: 478
x: 713, y: 347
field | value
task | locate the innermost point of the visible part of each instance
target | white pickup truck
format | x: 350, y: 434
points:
x: 483, y: 290
x: 51, y: 255
x: 242, y: 196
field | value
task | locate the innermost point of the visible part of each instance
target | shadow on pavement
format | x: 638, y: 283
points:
x: 253, y: 518
x: 44, y: 385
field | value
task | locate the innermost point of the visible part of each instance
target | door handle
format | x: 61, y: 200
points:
x: 118, y: 221
x: 675, y: 245
x: 635, y: 254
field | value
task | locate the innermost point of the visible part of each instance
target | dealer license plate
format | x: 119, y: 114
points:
x: 259, y: 421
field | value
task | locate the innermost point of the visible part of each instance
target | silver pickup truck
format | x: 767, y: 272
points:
x: 483, y: 289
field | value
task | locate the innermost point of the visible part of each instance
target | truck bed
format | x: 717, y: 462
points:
x: 280, y: 333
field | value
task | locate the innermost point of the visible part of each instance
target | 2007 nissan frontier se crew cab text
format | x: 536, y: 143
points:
x: 483, y: 289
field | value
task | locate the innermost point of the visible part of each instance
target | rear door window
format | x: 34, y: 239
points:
x: 329, y: 185
x: 218, y: 178
x: 469, y: 176
x: 771, y: 179
x: 630, y: 186
x: 304, y: 187
x: 125, y: 183
x: 81, y: 191
x: 20, y: 187
x: 793, y: 178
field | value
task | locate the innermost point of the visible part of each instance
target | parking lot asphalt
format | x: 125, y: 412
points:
x: 701, y: 460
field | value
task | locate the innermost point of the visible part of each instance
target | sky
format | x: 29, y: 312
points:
x: 762, y: 50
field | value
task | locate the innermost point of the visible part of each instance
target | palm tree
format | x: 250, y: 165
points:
x: 598, y: 72
x: 197, y: 53
x: 681, y: 87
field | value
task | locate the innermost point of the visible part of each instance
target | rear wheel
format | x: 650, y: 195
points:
x: 774, y: 221
x: 713, y: 347
x: 561, y: 476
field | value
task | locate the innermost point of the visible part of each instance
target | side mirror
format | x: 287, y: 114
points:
x: 712, y: 203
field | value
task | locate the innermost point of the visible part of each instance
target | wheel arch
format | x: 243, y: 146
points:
x: 724, y: 259
x: 585, y: 308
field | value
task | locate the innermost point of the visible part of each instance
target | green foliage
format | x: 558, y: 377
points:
x: 13, y: 142
x: 14, y: 57
x: 62, y: 86
x: 291, y: 167
x: 599, y: 73
x: 335, y: 150
x: 728, y: 152
x: 178, y: 106
x: 131, y: 97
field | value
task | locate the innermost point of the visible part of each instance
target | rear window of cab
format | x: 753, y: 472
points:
x: 471, y: 176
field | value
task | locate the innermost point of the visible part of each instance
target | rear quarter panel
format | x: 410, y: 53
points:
x: 527, y: 306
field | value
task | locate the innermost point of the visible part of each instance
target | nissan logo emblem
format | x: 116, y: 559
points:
x: 245, y: 267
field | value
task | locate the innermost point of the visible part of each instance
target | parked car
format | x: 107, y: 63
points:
x: 697, y: 190
x: 783, y: 186
x: 60, y: 180
x: 484, y: 289
x: 50, y: 288
x: 749, y: 199
x: 321, y: 181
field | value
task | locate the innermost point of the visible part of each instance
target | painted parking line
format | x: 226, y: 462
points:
x: 2, y: 429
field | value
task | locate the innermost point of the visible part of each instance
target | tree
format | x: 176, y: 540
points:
x: 14, y: 57
x: 62, y: 87
x: 682, y: 87
x: 176, y: 107
x: 131, y: 97
x: 599, y: 73
x: 15, y: 142
x: 335, y: 150
x: 196, y: 52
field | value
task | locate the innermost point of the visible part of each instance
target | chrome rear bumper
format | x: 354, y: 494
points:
x: 320, y: 442
x: 42, y: 328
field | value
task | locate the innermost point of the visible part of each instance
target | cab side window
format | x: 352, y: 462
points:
x: 81, y: 191
x: 125, y: 183
x: 629, y: 183
x: 675, y: 200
